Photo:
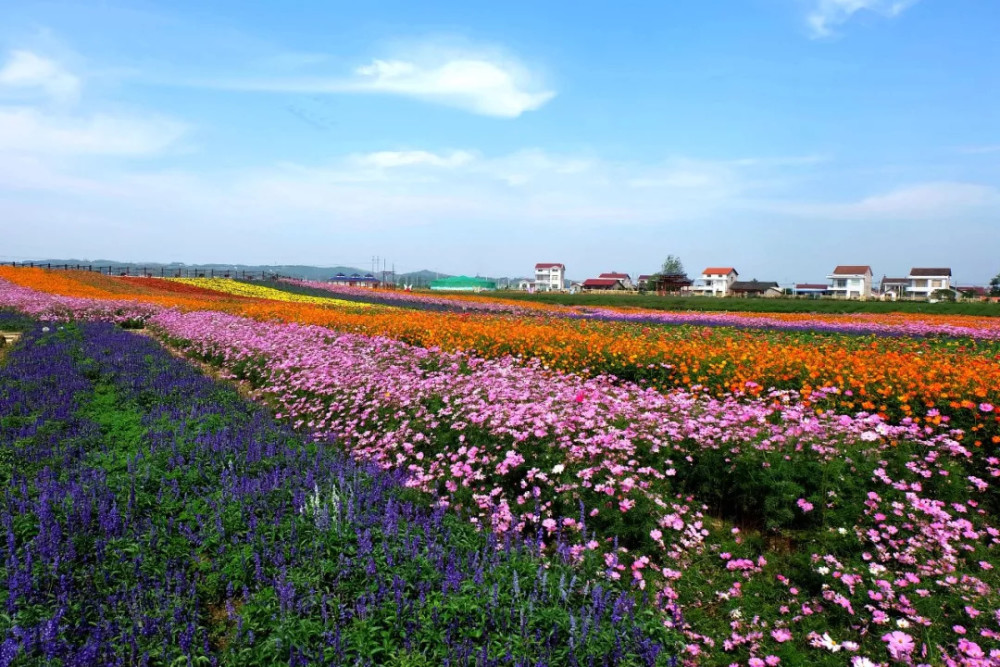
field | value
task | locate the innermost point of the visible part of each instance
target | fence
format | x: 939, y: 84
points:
x: 151, y: 272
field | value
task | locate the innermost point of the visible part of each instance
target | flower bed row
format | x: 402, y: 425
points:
x: 879, y: 324
x: 423, y: 300
x: 898, y: 378
x: 771, y: 530
x: 249, y: 289
x: 153, y: 517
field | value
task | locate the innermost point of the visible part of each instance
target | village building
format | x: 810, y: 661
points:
x: 851, y: 281
x: 625, y: 279
x: 355, y: 280
x: 813, y: 290
x: 924, y: 282
x: 549, y: 277
x: 755, y: 288
x: 603, y: 285
x: 893, y: 288
x: 716, y: 281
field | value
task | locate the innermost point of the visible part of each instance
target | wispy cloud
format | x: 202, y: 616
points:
x: 827, y: 15
x: 944, y: 200
x: 26, y: 130
x: 391, y: 159
x: 31, y: 125
x: 479, y: 82
x: 29, y: 72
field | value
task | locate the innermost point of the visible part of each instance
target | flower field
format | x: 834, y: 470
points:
x: 776, y: 495
x: 899, y: 377
x: 166, y: 522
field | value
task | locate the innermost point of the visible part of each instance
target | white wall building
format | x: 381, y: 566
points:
x: 717, y: 281
x: 550, y: 277
x: 924, y: 282
x: 851, y: 282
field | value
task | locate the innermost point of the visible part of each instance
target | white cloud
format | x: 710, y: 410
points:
x: 827, y: 15
x: 502, y: 210
x: 30, y: 131
x: 27, y: 71
x: 489, y: 84
x: 391, y: 159
x: 477, y: 84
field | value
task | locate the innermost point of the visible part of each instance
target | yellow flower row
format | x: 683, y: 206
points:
x: 237, y: 288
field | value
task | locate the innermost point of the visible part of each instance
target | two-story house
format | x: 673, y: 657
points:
x: 717, y: 280
x: 924, y: 282
x: 851, y: 282
x: 549, y: 277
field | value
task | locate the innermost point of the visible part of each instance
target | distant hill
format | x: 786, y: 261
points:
x: 422, y: 277
x: 291, y: 270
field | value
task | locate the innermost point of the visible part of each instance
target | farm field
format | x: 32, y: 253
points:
x: 775, y: 494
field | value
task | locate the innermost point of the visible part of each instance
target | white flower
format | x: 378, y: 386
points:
x: 842, y: 530
x: 558, y: 468
x: 902, y: 623
x: 827, y: 642
x: 823, y: 569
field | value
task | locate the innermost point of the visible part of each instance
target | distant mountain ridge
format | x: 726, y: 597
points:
x: 305, y: 272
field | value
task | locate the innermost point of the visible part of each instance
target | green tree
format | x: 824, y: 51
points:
x: 995, y: 285
x: 672, y: 266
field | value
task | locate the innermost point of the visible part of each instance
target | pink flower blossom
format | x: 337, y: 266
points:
x: 899, y: 643
x: 781, y: 635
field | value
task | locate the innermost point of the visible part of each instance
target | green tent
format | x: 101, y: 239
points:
x: 463, y: 283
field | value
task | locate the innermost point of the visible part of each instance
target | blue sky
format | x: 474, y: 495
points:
x: 781, y: 137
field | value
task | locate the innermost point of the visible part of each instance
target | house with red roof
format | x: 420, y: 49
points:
x: 550, y: 276
x: 625, y: 278
x: 603, y: 285
x: 851, y: 281
x: 716, y: 281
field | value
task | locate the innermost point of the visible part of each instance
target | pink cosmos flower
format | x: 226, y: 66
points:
x: 781, y: 635
x: 971, y: 649
x: 899, y: 643
x: 804, y: 505
x: 986, y: 407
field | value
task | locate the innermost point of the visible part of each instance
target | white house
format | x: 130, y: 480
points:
x: 717, y: 280
x: 851, y: 282
x: 924, y: 282
x: 549, y: 276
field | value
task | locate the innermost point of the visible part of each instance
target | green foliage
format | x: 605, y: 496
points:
x: 672, y: 265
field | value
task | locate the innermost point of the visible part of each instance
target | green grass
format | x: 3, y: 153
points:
x: 781, y: 305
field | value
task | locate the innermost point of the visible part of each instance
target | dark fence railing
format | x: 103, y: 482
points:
x: 151, y: 272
